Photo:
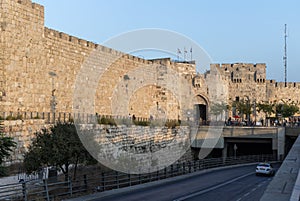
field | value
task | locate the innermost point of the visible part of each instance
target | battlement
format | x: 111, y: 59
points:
x: 170, y: 61
x: 31, y: 4
x: 53, y: 33
x: 242, y: 65
x: 81, y: 42
x: 290, y: 85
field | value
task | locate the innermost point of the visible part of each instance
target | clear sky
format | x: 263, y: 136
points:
x: 230, y: 31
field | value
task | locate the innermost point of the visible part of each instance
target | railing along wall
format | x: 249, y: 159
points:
x: 54, y: 189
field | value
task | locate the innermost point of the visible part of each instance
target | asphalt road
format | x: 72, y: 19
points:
x: 234, y: 184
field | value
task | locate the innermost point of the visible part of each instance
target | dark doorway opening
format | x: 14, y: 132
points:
x: 201, y: 113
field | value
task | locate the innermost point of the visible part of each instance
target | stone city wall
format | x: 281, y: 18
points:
x: 279, y: 92
x: 39, y: 68
x: 22, y: 131
x: 131, y: 139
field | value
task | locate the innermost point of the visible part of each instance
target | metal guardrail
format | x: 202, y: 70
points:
x: 51, y: 117
x: 51, y: 189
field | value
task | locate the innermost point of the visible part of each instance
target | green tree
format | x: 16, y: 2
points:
x: 6, y: 147
x: 286, y: 110
x: 58, y: 146
x: 243, y: 107
x: 266, y: 108
x: 218, y: 109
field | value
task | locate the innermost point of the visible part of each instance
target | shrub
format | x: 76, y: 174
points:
x: 172, y: 124
x: 36, y: 117
x: 141, y: 123
x: 11, y: 118
x: 107, y: 121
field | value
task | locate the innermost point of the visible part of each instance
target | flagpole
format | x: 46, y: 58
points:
x: 191, y: 51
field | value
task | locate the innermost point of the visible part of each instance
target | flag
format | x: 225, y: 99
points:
x: 178, y: 51
x: 191, y: 50
x: 185, y: 50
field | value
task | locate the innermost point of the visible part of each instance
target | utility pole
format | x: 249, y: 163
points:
x: 285, y: 55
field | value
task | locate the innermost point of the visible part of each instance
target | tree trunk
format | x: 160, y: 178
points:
x: 75, y: 169
x: 66, y: 171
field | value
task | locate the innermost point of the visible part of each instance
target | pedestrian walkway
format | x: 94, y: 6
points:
x: 9, y: 180
x: 285, y: 185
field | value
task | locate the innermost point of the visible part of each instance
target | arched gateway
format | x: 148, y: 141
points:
x: 201, y: 107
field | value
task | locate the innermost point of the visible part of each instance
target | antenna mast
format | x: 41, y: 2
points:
x: 285, y: 55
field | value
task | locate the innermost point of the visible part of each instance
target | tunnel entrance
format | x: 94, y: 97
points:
x: 241, y: 147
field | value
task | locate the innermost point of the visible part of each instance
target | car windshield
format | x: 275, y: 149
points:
x: 264, y: 165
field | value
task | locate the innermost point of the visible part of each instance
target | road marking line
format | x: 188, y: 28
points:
x: 212, y: 188
x: 245, y: 195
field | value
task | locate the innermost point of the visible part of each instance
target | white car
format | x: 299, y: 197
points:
x: 264, y: 169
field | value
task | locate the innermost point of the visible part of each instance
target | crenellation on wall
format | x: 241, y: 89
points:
x: 50, y: 33
x: 24, y: 2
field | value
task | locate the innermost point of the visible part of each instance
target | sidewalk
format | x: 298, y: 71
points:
x: 9, y: 180
x: 284, y: 185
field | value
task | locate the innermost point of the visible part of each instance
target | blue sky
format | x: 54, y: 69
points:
x: 229, y: 31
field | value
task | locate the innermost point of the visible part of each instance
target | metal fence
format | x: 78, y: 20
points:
x: 51, y: 117
x: 53, y: 189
